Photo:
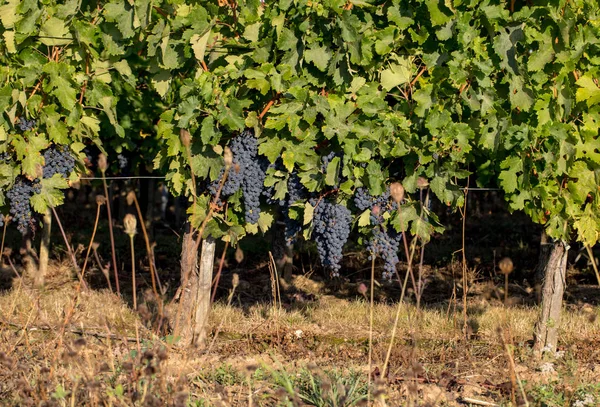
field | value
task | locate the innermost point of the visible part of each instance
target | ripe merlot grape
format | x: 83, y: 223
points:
x: 331, y: 230
x: 26, y: 125
x: 18, y: 198
x: 247, y: 172
x: 58, y: 160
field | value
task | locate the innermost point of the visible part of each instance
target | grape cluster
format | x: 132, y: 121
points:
x: 325, y: 160
x: 25, y: 125
x: 296, y: 192
x: 122, y: 161
x: 331, y: 230
x: 385, y: 243
x: 247, y: 172
x: 20, y: 207
x: 58, y: 161
x: 1, y: 220
x: 378, y: 204
x: 4, y: 157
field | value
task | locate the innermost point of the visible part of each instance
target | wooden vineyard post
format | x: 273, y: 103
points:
x: 40, y: 275
x: 554, y: 260
x: 195, y: 290
x: 202, y: 306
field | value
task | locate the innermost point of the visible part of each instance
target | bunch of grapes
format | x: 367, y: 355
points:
x: 58, y: 161
x: 327, y: 159
x: 25, y: 125
x: 247, y: 172
x: 4, y: 157
x: 20, y: 207
x: 331, y: 230
x: 296, y: 192
x: 385, y: 243
x: 1, y: 220
x: 122, y: 161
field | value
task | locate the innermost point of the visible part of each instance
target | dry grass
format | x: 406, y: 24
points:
x: 109, y: 357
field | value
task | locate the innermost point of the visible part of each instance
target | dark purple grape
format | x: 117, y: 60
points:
x: 58, y: 160
x: 331, y: 230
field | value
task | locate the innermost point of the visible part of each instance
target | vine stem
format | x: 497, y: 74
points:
x: 371, y: 306
x: 87, y: 254
x: 592, y: 258
x: 110, y: 231
x: 69, y: 313
x: 218, y: 276
x: 464, y: 262
x: 150, y: 255
x: 268, y: 106
x: 409, y: 258
x: 133, y: 286
x: 69, y: 249
x: 421, y: 72
x: 6, y: 220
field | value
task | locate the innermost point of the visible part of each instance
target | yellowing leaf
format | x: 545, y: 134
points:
x: 365, y: 218
x: 288, y: 160
x: 9, y: 40
x: 198, y: 44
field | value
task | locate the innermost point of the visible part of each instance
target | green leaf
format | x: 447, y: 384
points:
x: 119, y: 13
x: 588, y: 227
x: 396, y: 75
x: 438, y: 17
x: 60, y: 84
x: 402, y: 218
x: 588, y: 91
x: 265, y: 220
x: 161, y: 82
x: 55, y: 32
x: 51, y: 194
x: 584, y: 183
x: 508, y: 177
x: 332, y: 173
x: 319, y: 56
x: 520, y: 96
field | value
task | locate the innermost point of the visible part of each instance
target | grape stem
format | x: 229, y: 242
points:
x: 153, y: 273
x: 69, y: 249
x: 110, y: 231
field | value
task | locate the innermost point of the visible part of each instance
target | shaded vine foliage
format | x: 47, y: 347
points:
x: 346, y: 96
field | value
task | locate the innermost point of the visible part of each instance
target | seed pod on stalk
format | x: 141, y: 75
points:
x: 228, y: 157
x: 186, y: 137
x: 397, y: 192
x: 102, y: 162
x: 506, y: 267
x: 130, y: 223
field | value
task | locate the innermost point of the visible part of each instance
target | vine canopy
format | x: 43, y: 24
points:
x: 397, y: 90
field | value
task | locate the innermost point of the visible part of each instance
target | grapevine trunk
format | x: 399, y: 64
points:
x: 554, y: 257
